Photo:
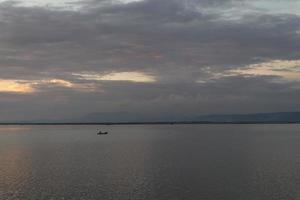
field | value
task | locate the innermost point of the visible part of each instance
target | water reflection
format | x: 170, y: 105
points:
x: 228, y: 162
x: 14, y: 128
x: 15, y: 171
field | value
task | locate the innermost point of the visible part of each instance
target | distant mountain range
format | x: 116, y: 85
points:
x: 126, y: 118
x: 290, y: 117
x: 278, y: 117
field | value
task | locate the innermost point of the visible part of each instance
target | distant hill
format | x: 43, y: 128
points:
x: 132, y: 118
x: 255, y: 117
x: 286, y: 117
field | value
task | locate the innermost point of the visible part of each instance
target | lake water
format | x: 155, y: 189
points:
x: 150, y: 162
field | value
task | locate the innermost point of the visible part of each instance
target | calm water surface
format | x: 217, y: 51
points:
x: 155, y: 162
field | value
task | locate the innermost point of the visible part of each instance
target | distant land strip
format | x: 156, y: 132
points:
x: 96, y: 119
x: 147, y: 123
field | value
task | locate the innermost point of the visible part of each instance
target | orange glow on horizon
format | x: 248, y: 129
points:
x: 133, y: 76
x: 15, y: 86
x: 28, y: 86
x: 60, y: 82
x: 286, y: 69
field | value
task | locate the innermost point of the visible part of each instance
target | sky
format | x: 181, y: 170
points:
x: 147, y: 59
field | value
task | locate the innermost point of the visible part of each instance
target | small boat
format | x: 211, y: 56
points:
x: 102, y: 133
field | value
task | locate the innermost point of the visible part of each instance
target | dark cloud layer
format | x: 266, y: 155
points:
x: 190, y: 47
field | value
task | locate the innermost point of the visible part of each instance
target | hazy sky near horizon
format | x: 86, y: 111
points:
x: 155, y: 59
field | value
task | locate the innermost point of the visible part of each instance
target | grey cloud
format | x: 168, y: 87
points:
x: 158, y: 101
x: 174, y: 40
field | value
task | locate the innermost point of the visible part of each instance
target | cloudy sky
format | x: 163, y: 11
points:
x: 151, y: 59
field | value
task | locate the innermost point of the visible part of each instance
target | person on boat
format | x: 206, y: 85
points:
x: 102, y: 133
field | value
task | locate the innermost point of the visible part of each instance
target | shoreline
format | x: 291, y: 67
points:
x: 141, y: 123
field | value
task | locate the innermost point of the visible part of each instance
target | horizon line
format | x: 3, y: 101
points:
x: 148, y: 123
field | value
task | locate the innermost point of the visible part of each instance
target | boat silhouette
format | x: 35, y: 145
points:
x: 102, y: 133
